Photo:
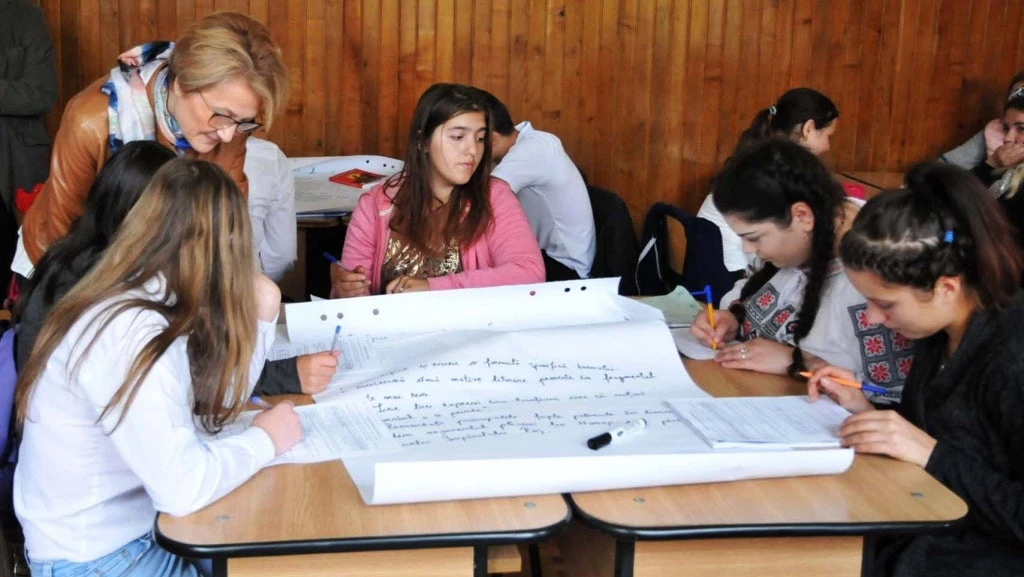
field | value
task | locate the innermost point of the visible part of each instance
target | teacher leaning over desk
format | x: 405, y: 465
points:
x: 200, y: 97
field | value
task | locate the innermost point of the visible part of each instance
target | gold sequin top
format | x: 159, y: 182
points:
x: 402, y: 258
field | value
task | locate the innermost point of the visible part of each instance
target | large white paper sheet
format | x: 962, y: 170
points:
x: 502, y: 401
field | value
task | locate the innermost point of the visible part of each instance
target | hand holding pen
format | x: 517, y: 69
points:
x: 347, y: 283
x: 711, y: 312
x: 842, y: 387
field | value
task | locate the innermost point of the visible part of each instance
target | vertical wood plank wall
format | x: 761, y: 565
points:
x: 648, y: 96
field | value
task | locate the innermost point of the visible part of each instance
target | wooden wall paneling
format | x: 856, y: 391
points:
x: 89, y: 43
x: 695, y: 100
x: 648, y: 96
x: 479, y: 47
x: 368, y: 66
x: 444, y: 41
x: 609, y: 68
x: 314, y: 69
x: 868, y: 35
x: 533, y: 82
x: 572, y: 130
x: 348, y: 63
x: 624, y: 140
x: 406, y: 71
x: 498, y: 81
x: 922, y: 75
x: 670, y: 102
x: 68, y: 52
x: 643, y: 115
x: 425, y: 46
x: 730, y: 120
x: 462, y: 68
x: 589, y: 88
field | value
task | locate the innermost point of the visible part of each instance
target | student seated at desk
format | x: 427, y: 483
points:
x: 799, y: 311
x: 802, y: 115
x: 936, y: 262
x: 551, y: 190
x: 114, y: 192
x: 442, y: 222
x: 156, y: 345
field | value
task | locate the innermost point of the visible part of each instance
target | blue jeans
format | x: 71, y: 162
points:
x: 140, y: 557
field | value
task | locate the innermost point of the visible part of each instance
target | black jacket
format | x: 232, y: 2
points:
x: 28, y: 89
x: 974, y: 408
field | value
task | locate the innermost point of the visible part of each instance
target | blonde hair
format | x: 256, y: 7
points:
x: 229, y: 45
x: 204, y: 256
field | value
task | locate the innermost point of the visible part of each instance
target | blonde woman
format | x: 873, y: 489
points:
x: 200, y: 97
x: 159, y: 342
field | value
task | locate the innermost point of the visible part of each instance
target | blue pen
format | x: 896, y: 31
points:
x: 260, y: 402
x: 330, y: 257
x: 336, y: 344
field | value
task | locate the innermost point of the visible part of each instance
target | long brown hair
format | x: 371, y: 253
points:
x: 191, y: 228
x: 469, y: 207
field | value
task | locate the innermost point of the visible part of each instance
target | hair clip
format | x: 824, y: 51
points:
x: 1019, y: 91
x: 772, y: 111
x: 947, y: 237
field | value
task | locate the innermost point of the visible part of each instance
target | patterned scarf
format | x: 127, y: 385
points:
x: 129, y: 114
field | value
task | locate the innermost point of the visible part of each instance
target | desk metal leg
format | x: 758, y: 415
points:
x: 480, y: 561
x: 624, y: 553
x: 220, y: 567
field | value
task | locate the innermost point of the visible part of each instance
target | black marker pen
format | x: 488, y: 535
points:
x: 615, y: 434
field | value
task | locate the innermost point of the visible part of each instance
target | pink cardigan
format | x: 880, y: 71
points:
x: 506, y: 254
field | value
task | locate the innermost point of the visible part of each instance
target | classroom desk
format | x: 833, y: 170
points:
x: 873, y: 182
x: 308, y: 520
x: 784, y: 527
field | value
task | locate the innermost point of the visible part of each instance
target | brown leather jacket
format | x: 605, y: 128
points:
x: 79, y: 151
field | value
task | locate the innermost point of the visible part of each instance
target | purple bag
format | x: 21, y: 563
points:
x: 8, y: 378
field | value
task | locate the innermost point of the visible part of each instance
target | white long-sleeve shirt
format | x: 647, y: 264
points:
x: 82, y: 490
x: 271, y: 207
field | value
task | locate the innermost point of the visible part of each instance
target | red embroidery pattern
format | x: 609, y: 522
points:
x: 782, y: 317
x: 900, y: 342
x: 764, y: 301
x: 880, y: 372
x: 903, y: 366
x: 862, y: 321
x: 874, y: 345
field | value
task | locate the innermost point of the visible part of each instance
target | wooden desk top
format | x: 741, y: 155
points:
x: 297, y: 509
x: 876, y: 495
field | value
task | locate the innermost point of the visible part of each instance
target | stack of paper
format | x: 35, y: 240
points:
x: 317, y: 195
x: 763, y: 422
x: 678, y: 306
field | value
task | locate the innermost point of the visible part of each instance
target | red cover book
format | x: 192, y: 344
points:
x: 356, y: 177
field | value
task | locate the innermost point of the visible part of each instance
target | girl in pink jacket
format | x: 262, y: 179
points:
x: 441, y: 222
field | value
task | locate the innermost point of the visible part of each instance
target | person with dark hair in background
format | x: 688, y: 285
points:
x: 550, y: 188
x: 799, y: 311
x: 802, y: 115
x: 28, y: 89
x: 936, y: 262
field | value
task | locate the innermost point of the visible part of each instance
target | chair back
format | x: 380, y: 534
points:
x: 617, y: 246
x: 680, y: 249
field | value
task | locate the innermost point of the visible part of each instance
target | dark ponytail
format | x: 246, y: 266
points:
x: 762, y: 183
x: 944, y: 223
x: 789, y: 112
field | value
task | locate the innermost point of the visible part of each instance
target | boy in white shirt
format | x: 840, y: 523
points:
x: 549, y: 187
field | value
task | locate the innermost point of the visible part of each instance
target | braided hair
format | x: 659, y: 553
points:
x: 943, y: 224
x: 762, y: 183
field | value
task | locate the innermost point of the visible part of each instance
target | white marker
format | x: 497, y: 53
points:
x: 626, y: 430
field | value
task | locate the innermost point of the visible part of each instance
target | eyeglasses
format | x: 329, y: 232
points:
x: 222, y: 121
